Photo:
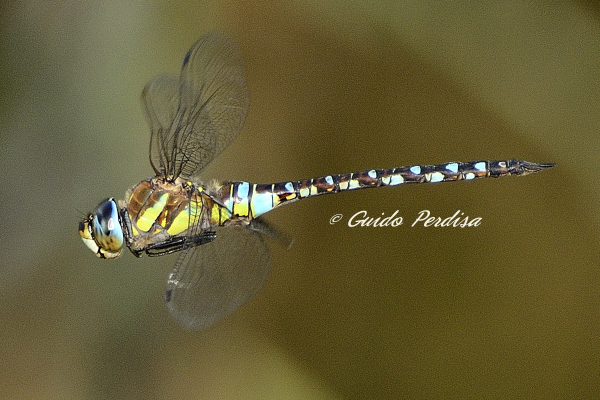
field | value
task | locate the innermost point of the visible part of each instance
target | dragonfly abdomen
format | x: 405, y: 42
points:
x: 247, y: 200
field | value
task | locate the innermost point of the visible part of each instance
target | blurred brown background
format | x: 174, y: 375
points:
x: 506, y: 310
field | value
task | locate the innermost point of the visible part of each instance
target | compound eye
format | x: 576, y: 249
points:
x: 106, y: 229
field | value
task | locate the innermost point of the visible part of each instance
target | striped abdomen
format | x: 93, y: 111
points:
x: 244, y: 199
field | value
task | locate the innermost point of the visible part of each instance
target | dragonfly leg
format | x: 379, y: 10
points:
x: 169, y: 246
x: 128, y: 233
x: 175, y: 244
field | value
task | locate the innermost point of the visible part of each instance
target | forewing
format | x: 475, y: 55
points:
x: 211, y: 281
x: 211, y: 107
x: 161, y: 100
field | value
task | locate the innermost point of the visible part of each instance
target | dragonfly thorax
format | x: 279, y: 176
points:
x: 157, y: 210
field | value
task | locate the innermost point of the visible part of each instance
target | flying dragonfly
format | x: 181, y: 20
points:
x: 215, y: 228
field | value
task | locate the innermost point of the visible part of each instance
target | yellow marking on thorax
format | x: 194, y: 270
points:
x: 186, y: 217
x: 180, y: 223
x: 149, y: 216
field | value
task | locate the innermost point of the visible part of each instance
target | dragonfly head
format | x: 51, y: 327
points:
x: 101, y: 231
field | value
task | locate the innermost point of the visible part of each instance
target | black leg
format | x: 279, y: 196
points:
x: 175, y: 244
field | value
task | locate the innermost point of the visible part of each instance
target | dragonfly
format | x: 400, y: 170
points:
x: 216, y: 229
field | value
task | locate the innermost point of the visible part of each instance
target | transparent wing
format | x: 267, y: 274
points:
x: 193, y: 119
x: 211, y: 281
x: 161, y: 99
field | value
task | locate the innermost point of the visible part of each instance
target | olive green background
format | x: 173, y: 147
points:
x: 510, y: 309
